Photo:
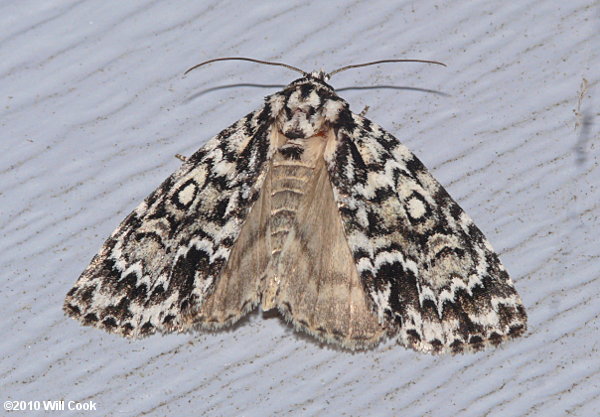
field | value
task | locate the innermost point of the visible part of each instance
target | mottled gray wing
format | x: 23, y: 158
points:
x: 157, y: 268
x: 432, y: 277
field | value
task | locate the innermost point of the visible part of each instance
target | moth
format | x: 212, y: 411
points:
x: 308, y: 208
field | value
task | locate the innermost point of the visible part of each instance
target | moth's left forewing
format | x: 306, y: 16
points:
x: 159, y: 266
x: 432, y: 277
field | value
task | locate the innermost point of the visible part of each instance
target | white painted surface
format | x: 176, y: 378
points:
x: 94, y: 106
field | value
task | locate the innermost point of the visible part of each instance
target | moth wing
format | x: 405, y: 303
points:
x: 239, y: 287
x: 432, y: 277
x: 319, y: 289
x: 163, y: 261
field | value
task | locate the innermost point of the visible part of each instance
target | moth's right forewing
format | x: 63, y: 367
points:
x: 432, y: 278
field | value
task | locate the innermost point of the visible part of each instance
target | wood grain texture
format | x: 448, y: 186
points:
x: 94, y: 107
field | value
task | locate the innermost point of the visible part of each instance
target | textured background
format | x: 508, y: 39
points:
x: 94, y: 106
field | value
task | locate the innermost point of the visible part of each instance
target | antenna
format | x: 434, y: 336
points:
x: 237, y: 58
x: 304, y: 73
x: 383, y: 61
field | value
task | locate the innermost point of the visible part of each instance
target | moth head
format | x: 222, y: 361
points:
x: 306, y: 107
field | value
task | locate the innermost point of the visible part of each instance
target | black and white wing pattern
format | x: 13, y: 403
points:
x: 156, y: 269
x: 433, y: 278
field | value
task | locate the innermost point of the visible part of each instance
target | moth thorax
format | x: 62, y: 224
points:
x: 302, y: 115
